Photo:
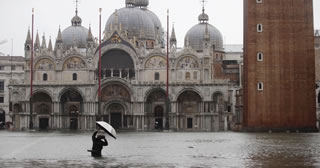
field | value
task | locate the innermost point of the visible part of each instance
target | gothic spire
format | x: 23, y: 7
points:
x: 28, y: 37
x: 44, y: 44
x: 50, y: 45
x: 90, y: 36
x: 173, y: 35
x: 37, y: 42
x: 59, y: 37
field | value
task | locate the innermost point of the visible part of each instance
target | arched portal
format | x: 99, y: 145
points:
x: 71, y: 104
x: 155, y: 108
x: 2, y: 118
x: 117, y: 63
x: 158, y: 115
x: 117, y: 100
x: 42, y: 107
x: 115, y: 111
x: 189, y: 106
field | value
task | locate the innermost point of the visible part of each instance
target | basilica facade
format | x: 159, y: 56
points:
x: 134, y: 75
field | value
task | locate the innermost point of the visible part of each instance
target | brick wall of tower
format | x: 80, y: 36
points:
x: 288, y: 67
x: 317, y: 52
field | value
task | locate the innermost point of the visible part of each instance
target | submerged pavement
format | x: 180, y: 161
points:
x: 158, y: 149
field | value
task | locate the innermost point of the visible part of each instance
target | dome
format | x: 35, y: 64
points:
x: 203, y: 33
x: 196, y: 37
x: 136, y: 21
x: 156, y: 21
x: 75, y: 34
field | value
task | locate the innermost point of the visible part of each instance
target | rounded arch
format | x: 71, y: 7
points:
x: 106, y: 105
x: 71, y: 102
x: 187, y: 61
x: 189, y: 102
x: 75, y: 89
x: 122, y: 47
x: 188, y: 89
x: 42, y: 103
x: 74, y: 62
x: 117, y: 59
x: 71, y: 95
x: 152, y: 90
x: 155, y: 61
x: 41, y: 96
x: 189, y: 95
x: 46, y: 91
x: 15, y: 95
x: 44, y: 63
x: 114, y: 113
x: 116, y: 90
x: 217, y: 94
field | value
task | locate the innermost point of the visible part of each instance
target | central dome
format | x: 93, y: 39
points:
x: 137, y: 20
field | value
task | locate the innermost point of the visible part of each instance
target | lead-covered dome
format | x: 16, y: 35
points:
x: 137, y: 20
x: 156, y: 21
x: 203, y: 34
x: 75, y: 35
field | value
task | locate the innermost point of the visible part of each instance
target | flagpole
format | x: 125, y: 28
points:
x: 31, y: 72
x: 99, y: 94
x: 167, y: 90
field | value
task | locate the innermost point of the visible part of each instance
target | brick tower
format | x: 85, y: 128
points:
x: 279, y: 84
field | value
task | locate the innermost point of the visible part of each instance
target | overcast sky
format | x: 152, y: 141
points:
x: 15, y: 17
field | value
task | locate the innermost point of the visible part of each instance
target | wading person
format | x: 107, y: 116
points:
x: 98, y: 143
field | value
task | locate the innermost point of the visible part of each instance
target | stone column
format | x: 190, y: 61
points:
x: 128, y: 73
x: 111, y: 72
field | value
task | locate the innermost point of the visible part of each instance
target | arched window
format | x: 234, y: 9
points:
x: 259, y: 28
x: 260, y: 86
x: 45, y: 77
x: 260, y: 56
x: 188, y: 75
x: 74, y: 77
x: 157, y: 76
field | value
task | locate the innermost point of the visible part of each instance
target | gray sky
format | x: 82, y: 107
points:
x: 15, y: 17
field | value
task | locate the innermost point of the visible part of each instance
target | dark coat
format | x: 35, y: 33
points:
x: 98, y: 143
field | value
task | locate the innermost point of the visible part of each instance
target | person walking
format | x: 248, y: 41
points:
x: 98, y: 143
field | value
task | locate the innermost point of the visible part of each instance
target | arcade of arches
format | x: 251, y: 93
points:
x: 133, y: 79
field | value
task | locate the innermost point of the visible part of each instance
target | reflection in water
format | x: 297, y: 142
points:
x: 161, y: 150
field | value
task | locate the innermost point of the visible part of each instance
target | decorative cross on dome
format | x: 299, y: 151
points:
x: 203, y: 4
x: 77, y: 2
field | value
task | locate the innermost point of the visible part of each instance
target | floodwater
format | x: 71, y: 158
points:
x: 160, y: 149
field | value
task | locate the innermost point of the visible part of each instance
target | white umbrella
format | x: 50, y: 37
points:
x: 107, y: 128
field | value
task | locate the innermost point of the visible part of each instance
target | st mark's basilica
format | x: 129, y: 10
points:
x: 134, y: 74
